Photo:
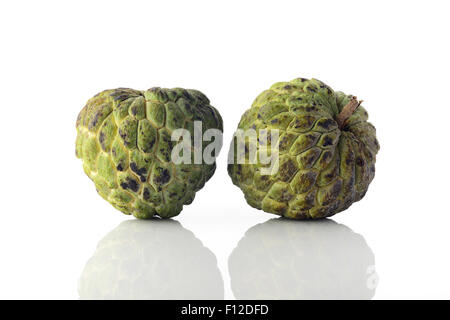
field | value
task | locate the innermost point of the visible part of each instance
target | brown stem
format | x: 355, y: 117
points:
x: 347, y: 111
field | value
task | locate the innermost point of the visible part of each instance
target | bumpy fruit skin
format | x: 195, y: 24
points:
x: 322, y: 168
x: 124, y: 141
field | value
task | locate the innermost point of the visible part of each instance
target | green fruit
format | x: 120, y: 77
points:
x: 156, y: 259
x: 124, y: 141
x: 281, y: 259
x: 322, y: 161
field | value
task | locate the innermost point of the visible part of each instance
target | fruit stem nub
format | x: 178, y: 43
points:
x: 347, y: 111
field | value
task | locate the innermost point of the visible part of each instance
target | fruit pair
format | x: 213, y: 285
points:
x: 301, y: 151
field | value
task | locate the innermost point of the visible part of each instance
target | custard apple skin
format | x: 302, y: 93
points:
x: 323, y: 166
x: 124, y: 142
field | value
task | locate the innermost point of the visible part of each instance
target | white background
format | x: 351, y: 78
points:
x: 55, y: 55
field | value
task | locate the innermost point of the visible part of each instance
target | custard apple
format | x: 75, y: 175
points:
x: 156, y: 259
x: 281, y: 259
x: 124, y: 139
x: 313, y: 150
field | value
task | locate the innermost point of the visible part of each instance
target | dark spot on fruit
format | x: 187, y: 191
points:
x: 186, y: 95
x: 336, y: 189
x: 287, y: 87
x: 149, y: 145
x: 372, y: 168
x: 349, y: 186
x: 287, y: 170
x: 348, y: 161
x: 376, y: 143
x: 327, y: 141
x: 94, y: 121
x: 239, y: 169
x: 188, y: 107
x: 309, y: 200
x: 119, y: 167
x: 133, y: 167
x: 285, y: 196
x: 326, y: 124
x: 259, y: 116
x: 141, y: 172
x: 359, y: 161
x: 162, y: 177
x: 284, y: 143
x: 309, y: 160
x: 121, y: 97
x: 123, y: 135
x: 326, y: 155
x: 131, y: 184
x: 312, y: 89
x: 304, y: 122
x: 303, y: 79
x: 166, y: 152
x: 101, y: 137
x: 305, y: 181
x: 124, y: 185
x: 309, y: 109
x: 274, y: 121
x: 146, y: 194
x: 332, y: 193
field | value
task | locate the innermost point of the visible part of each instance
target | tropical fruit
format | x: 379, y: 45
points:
x: 125, y: 142
x: 303, y: 151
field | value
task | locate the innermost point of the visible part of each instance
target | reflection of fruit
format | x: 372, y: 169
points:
x: 124, y: 140
x: 282, y: 259
x: 151, y: 260
x: 326, y: 151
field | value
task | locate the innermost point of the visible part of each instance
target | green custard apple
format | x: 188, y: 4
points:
x: 124, y: 138
x: 314, y: 150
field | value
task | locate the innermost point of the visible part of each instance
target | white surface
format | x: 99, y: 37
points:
x: 55, y: 55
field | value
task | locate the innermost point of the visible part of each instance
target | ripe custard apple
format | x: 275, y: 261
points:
x: 303, y: 151
x: 125, y: 142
